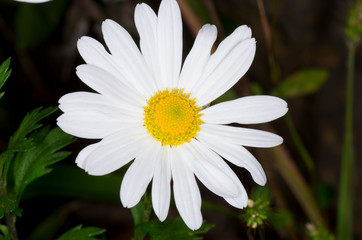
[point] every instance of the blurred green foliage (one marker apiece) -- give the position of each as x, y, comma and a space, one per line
34, 23
301, 83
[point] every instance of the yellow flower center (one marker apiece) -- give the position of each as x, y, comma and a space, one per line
172, 117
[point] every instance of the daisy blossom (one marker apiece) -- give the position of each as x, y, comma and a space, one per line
150, 110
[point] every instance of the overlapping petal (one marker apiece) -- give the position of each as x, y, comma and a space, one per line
239, 200
115, 150
139, 174
197, 59
235, 154
211, 175
128, 58
226, 66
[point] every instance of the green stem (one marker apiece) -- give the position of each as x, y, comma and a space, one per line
346, 189
141, 214
10, 222
299, 144
297, 184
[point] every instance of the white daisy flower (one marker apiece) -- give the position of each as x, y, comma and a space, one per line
150, 110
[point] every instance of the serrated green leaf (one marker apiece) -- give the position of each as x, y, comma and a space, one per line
34, 163
79, 233
301, 83
34, 23
29, 124
4, 74
175, 230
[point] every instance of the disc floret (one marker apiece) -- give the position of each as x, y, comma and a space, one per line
172, 118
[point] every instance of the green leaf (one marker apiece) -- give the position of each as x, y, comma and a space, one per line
175, 230
4, 74
79, 233
29, 124
8, 203
138, 213
301, 83
34, 23
34, 163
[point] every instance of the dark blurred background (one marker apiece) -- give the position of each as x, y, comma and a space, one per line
41, 41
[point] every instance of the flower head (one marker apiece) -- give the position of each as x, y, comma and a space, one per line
149, 110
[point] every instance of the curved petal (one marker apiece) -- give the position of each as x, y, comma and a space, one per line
246, 110
242, 136
220, 60
128, 57
88, 101
115, 151
139, 175
198, 57
108, 85
161, 192
94, 125
84, 153
169, 39
240, 200
228, 71
237, 155
211, 175
186, 192
146, 23
94, 53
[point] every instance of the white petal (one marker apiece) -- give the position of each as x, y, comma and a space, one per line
115, 151
198, 57
186, 192
128, 57
225, 47
161, 192
242, 136
82, 156
246, 110
169, 39
95, 54
93, 125
146, 23
108, 85
212, 176
139, 175
228, 70
237, 155
88, 101
239, 201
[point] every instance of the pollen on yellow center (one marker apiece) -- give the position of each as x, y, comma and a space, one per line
172, 118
